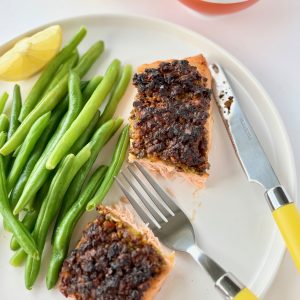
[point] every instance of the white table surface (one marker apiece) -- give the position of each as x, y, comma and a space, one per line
265, 37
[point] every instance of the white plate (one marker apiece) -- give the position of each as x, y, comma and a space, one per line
232, 220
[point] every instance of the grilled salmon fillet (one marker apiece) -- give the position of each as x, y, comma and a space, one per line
170, 123
116, 259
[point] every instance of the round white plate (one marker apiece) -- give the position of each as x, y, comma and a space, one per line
232, 220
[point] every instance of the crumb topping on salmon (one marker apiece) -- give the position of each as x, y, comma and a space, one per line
112, 261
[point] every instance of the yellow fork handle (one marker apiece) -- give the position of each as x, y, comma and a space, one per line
287, 218
231, 288
245, 294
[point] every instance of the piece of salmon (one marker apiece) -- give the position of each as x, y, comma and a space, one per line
170, 124
117, 258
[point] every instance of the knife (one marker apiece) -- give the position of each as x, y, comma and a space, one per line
255, 163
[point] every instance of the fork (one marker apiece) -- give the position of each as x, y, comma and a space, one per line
174, 229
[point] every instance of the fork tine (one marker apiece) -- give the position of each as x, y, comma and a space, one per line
139, 210
161, 206
166, 199
159, 217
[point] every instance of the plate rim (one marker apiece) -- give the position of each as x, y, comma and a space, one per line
268, 101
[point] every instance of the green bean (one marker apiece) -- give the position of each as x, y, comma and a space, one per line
40, 174
16, 152
27, 148
62, 107
116, 95
28, 222
55, 118
3, 100
41, 84
88, 58
31, 216
85, 116
23, 236
86, 136
13, 122
3, 137
15, 111
4, 122
99, 139
52, 98
18, 258
14, 245
113, 170
64, 232
89, 90
75, 91
63, 70
18, 189
51, 206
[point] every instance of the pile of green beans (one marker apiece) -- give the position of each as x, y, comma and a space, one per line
98, 141
48, 148
85, 116
21, 233
50, 207
51, 99
56, 117
40, 174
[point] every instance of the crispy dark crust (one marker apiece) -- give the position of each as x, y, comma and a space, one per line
170, 115
112, 261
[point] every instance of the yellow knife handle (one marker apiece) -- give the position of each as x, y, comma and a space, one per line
245, 294
287, 217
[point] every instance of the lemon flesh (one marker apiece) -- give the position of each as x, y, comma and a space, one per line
31, 54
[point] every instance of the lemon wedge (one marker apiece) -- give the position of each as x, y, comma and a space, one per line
31, 54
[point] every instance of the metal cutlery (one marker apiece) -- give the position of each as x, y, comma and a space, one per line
173, 228
255, 162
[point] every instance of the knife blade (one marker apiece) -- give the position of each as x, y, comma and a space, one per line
255, 163
243, 137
